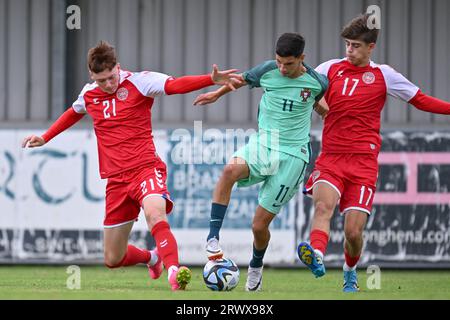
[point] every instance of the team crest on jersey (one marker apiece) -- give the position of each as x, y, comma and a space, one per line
368, 78
122, 93
315, 175
305, 94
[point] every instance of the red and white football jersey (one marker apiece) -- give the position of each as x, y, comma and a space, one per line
356, 96
122, 121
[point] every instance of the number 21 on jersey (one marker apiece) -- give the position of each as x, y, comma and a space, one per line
106, 108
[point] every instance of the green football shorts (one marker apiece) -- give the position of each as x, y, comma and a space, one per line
281, 174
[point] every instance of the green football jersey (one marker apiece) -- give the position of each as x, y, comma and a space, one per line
284, 114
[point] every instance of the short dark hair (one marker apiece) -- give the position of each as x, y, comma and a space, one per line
357, 29
102, 57
290, 44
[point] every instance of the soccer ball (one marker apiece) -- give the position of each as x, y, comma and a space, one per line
221, 275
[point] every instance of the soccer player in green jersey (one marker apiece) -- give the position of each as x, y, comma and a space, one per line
278, 153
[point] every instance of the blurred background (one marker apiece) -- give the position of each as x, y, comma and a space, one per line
44, 62
51, 214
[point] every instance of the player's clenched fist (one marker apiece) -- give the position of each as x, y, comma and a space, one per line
33, 141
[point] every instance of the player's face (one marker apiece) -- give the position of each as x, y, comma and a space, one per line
290, 66
107, 80
358, 52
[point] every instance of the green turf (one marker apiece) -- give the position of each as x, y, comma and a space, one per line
98, 282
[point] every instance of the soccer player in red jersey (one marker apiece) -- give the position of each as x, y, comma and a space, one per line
119, 103
346, 171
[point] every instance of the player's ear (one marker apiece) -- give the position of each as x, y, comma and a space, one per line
301, 58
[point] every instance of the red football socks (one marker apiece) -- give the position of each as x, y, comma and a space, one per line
319, 240
133, 256
166, 244
350, 261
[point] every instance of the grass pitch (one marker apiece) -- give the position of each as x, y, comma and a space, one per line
100, 283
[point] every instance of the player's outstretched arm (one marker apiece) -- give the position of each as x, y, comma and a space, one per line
65, 121
213, 96
400, 87
186, 84
430, 104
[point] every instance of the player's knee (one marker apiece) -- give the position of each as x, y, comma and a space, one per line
230, 173
353, 235
112, 260
322, 210
259, 228
155, 217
